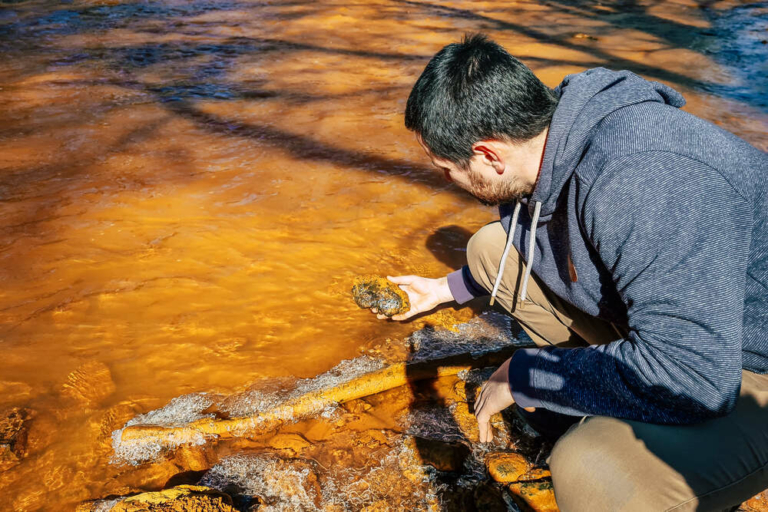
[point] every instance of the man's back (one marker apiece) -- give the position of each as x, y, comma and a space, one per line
662, 132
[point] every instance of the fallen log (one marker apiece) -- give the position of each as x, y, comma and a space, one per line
313, 402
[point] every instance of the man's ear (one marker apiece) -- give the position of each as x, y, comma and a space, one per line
489, 151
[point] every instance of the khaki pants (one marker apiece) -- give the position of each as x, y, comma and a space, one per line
607, 464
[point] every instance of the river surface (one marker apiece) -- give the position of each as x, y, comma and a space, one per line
189, 187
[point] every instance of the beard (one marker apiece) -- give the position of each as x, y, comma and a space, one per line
497, 192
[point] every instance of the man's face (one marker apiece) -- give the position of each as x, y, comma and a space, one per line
482, 178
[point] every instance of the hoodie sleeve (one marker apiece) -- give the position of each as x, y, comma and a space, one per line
463, 286
675, 236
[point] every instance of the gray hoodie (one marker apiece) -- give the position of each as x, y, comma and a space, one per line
664, 217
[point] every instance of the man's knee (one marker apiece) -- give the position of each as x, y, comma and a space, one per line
484, 252
589, 472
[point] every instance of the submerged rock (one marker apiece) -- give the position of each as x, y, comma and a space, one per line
13, 436
90, 384
184, 498
380, 293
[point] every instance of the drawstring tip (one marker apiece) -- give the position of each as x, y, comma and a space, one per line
493, 299
521, 304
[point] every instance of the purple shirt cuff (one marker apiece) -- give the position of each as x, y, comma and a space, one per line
463, 286
520, 378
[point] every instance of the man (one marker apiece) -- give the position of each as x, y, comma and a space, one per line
633, 249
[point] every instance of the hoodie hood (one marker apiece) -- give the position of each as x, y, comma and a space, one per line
585, 100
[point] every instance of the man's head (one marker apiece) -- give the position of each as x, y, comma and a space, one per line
482, 117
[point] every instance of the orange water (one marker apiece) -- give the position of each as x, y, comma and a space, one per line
189, 187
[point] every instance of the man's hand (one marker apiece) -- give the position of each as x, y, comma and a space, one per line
424, 294
494, 397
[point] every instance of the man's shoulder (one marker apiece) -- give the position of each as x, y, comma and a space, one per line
647, 134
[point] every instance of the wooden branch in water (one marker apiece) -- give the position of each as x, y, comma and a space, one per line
313, 402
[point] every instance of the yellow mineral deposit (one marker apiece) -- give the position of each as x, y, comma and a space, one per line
393, 376
184, 498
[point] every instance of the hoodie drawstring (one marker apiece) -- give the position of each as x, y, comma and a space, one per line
504, 255
508, 246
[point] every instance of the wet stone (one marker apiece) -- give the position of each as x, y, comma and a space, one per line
13, 436
757, 503
534, 496
506, 467
184, 498
535, 474
378, 292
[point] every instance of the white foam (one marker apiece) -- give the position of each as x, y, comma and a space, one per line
485, 333
278, 484
180, 411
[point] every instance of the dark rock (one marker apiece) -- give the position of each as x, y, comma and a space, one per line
440, 455
13, 436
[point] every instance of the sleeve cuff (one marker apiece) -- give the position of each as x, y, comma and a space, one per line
463, 286
520, 378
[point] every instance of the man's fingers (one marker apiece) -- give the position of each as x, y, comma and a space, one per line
484, 427
405, 316
480, 395
479, 404
381, 317
402, 279
482, 398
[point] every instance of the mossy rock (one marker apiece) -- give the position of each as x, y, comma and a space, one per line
378, 292
534, 496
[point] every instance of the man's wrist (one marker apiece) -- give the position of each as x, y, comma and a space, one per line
444, 291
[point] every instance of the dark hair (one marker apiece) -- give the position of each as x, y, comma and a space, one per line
475, 90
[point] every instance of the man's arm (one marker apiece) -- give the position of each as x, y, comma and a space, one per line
675, 236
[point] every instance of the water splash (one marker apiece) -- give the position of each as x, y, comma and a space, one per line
278, 485
180, 411
488, 332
